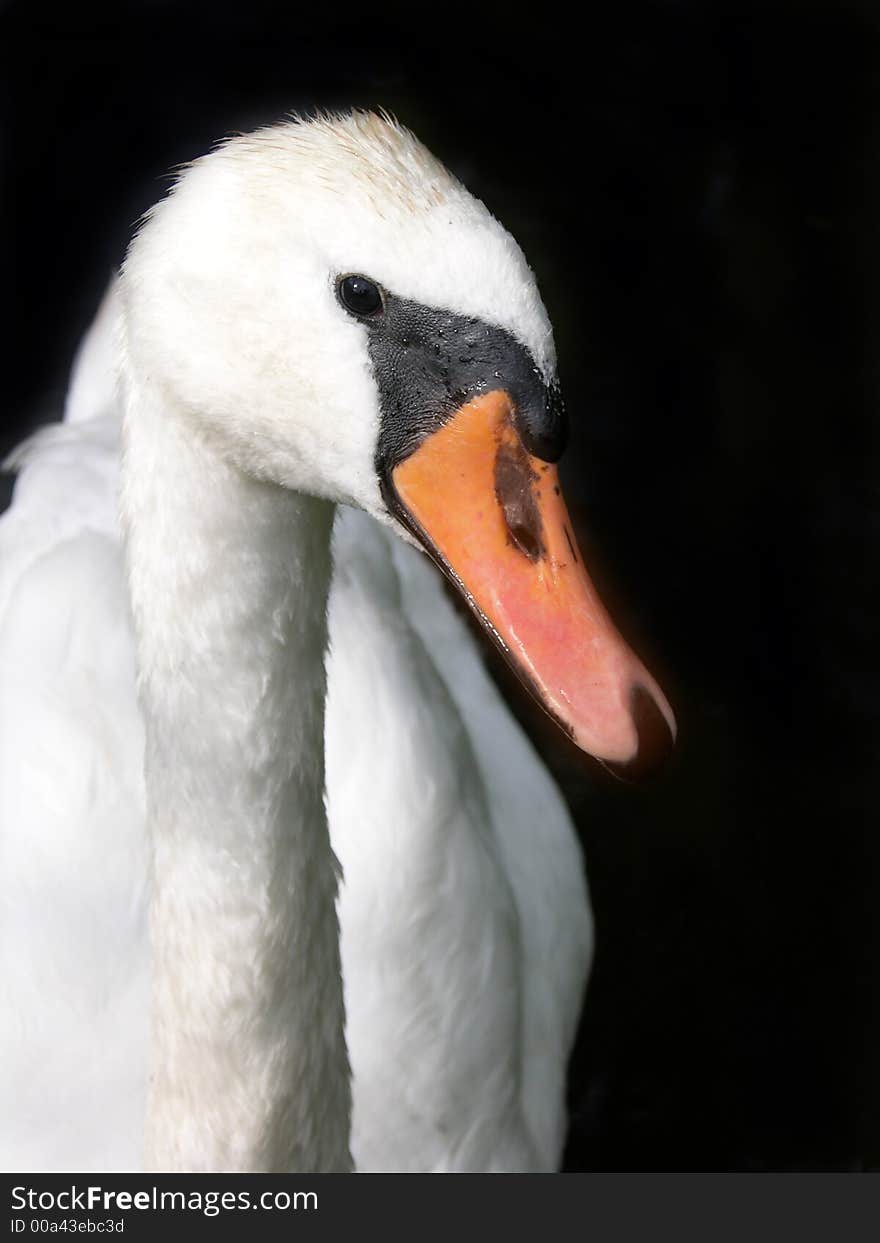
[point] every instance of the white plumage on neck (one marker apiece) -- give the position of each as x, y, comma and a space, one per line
229, 579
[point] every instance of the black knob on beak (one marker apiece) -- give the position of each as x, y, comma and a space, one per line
541, 421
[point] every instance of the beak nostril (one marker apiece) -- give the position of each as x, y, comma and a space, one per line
514, 488
655, 739
525, 540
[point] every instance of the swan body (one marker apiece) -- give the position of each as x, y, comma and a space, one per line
74, 965
465, 925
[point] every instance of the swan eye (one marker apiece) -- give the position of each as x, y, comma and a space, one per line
360, 295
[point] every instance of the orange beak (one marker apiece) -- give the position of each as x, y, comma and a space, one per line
494, 518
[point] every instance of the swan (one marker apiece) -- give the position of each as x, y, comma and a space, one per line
290, 338
387, 610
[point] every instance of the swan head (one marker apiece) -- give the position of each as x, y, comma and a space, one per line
332, 309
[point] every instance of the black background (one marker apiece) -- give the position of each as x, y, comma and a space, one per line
698, 189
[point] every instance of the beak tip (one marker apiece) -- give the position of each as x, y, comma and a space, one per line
656, 739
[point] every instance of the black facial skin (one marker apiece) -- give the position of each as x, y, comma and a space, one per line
428, 362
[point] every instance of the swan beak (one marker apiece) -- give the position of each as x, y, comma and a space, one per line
494, 518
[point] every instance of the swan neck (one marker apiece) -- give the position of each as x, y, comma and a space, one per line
229, 579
